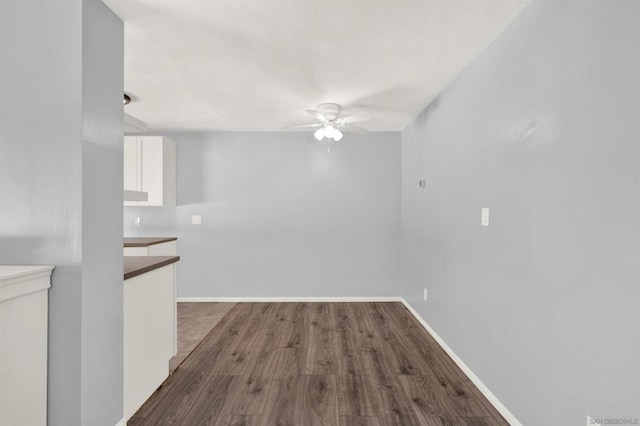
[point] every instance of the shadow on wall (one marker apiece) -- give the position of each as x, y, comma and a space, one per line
38, 247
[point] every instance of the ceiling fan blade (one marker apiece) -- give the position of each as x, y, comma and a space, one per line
357, 118
304, 126
317, 115
354, 129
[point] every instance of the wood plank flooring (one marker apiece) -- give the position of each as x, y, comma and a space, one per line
195, 321
305, 364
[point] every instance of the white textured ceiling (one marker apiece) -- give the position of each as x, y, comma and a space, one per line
258, 64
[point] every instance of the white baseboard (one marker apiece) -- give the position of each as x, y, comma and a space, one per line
289, 299
122, 422
508, 416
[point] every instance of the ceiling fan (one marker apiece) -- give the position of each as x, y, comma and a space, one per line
330, 125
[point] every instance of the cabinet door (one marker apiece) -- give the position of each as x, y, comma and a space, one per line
150, 166
169, 173
151, 169
148, 334
131, 172
131, 166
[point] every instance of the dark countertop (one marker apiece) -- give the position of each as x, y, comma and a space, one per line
137, 265
146, 241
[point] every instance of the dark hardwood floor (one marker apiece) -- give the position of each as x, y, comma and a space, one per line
304, 364
195, 321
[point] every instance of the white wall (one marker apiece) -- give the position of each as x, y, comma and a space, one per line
60, 190
543, 129
281, 216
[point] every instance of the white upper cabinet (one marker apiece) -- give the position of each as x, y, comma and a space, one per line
150, 166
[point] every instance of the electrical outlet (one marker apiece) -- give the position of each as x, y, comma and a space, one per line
196, 220
425, 295
136, 221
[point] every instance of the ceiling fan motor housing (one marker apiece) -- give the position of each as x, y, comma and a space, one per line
331, 111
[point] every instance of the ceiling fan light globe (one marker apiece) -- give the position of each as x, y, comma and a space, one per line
329, 130
319, 134
337, 135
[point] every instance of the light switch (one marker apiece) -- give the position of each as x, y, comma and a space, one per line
136, 221
484, 219
196, 220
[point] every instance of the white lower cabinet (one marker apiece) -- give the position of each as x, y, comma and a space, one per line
149, 334
23, 344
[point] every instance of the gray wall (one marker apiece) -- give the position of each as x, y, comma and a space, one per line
45, 210
41, 172
281, 216
102, 118
543, 129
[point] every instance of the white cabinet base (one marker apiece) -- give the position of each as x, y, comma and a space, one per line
23, 344
149, 334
